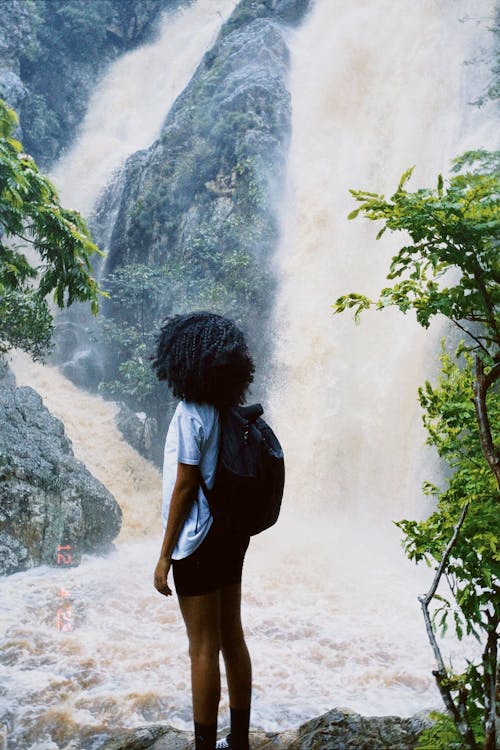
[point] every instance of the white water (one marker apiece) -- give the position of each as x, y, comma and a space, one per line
376, 87
330, 604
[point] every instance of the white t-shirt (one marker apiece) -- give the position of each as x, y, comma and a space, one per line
192, 438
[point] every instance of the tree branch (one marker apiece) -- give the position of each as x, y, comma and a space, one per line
457, 712
474, 338
481, 384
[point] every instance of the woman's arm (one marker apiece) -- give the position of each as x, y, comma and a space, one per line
184, 494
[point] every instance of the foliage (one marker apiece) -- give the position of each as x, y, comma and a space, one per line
30, 211
442, 735
450, 267
452, 228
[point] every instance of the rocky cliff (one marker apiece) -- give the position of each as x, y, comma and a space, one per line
48, 499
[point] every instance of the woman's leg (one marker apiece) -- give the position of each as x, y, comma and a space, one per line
201, 616
238, 665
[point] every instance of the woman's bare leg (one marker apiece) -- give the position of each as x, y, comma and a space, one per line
238, 665
201, 616
234, 648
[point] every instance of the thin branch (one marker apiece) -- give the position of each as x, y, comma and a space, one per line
474, 338
457, 712
490, 311
425, 600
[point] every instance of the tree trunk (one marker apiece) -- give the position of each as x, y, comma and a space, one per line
481, 384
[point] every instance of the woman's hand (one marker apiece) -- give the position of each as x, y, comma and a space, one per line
161, 575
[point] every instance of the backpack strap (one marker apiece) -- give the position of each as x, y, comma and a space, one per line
249, 414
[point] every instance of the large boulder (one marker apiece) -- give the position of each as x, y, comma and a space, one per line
51, 508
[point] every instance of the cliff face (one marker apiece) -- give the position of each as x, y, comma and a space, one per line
53, 51
47, 498
201, 202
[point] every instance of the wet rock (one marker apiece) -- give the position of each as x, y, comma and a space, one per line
136, 739
12, 89
138, 429
17, 37
339, 729
52, 510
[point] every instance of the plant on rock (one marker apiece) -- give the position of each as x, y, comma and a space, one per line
451, 267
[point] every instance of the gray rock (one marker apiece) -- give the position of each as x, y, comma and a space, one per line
48, 499
12, 89
138, 429
7, 377
17, 34
339, 729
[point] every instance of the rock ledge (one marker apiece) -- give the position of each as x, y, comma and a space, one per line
339, 729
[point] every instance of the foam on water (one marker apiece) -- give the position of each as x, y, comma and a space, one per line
318, 636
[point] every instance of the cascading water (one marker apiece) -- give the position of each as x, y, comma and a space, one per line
375, 89
330, 605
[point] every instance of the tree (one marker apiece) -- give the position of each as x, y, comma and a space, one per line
33, 221
451, 267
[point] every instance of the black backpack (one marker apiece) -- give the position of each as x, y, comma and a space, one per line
250, 473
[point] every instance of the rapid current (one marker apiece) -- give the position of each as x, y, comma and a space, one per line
330, 603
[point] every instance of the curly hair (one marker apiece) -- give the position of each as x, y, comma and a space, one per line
204, 358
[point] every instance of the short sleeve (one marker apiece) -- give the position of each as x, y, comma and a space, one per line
189, 439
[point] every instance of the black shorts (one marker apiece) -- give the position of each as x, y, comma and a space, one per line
217, 562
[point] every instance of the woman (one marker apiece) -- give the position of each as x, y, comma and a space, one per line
205, 361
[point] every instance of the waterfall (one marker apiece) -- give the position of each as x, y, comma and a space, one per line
376, 87
329, 605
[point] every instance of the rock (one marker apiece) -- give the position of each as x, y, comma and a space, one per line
12, 89
142, 737
7, 377
17, 38
287, 11
339, 729
138, 429
52, 510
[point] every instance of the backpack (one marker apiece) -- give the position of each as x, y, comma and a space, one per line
250, 472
